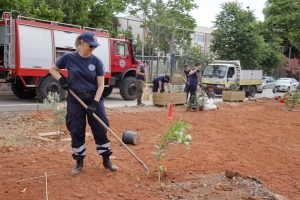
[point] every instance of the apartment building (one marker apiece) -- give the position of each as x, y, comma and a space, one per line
201, 37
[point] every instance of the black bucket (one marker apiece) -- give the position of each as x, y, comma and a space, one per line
130, 137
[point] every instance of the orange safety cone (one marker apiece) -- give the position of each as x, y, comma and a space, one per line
170, 107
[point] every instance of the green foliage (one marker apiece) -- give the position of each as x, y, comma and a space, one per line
292, 99
176, 134
234, 87
19, 5
282, 17
44, 10
194, 55
127, 34
238, 37
92, 13
167, 23
59, 113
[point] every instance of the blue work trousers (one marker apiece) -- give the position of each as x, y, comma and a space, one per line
76, 124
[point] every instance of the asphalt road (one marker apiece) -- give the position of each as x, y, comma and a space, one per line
10, 103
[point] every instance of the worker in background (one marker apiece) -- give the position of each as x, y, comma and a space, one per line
158, 83
186, 70
86, 79
193, 80
140, 81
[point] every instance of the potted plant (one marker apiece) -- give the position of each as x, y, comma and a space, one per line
234, 93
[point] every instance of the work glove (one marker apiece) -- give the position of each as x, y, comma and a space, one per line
92, 107
63, 83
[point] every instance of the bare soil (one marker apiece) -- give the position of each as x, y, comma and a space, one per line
248, 150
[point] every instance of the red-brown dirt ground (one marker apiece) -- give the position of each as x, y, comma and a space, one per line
257, 139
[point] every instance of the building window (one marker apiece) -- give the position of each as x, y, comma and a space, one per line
200, 38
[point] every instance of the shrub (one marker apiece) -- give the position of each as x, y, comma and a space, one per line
59, 112
234, 87
292, 99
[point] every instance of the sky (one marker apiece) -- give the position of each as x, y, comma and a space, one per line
208, 9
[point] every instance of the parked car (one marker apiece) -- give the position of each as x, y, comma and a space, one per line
286, 84
268, 83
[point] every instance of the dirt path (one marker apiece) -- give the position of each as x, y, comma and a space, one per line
256, 139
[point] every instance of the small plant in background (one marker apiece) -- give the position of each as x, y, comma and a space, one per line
292, 99
176, 134
234, 87
59, 112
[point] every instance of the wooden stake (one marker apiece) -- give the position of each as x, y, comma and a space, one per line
46, 186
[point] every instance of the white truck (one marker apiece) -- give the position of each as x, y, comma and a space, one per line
220, 74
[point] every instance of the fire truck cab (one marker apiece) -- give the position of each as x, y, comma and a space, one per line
29, 47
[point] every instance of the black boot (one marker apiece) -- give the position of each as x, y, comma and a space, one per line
107, 164
78, 167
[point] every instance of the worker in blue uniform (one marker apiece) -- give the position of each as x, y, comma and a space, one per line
140, 79
193, 80
86, 79
186, 71
158, 83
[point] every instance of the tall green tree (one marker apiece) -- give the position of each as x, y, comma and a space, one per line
236, 36
271, 53
283, 17
195, 55
102, 14
168, 23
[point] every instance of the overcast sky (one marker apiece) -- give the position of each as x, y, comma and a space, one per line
208, 9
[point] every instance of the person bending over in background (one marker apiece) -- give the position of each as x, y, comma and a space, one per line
158, 83
86, 79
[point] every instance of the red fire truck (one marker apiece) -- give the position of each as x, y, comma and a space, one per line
29, 47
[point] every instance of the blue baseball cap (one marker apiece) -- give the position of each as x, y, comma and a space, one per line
90, 38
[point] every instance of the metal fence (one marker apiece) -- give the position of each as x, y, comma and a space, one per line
163, 65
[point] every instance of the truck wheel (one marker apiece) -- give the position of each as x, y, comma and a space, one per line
49, 84
22, 92
252, 91
107, 91
128, 89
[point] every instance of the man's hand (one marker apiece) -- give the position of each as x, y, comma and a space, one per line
63, 83
92, 107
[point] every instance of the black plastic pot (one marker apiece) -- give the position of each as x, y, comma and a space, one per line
131, 137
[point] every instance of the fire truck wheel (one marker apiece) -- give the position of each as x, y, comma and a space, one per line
128, 89
49, 84
22, 92
107, 91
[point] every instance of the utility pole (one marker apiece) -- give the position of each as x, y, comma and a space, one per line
173, 57
143, 40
